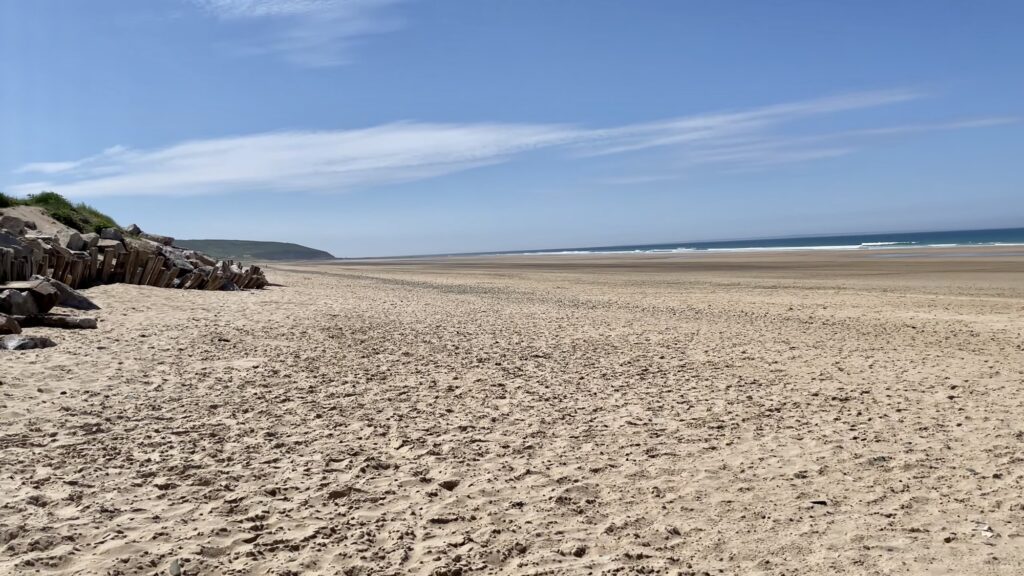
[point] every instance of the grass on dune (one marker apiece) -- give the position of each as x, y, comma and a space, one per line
81, 216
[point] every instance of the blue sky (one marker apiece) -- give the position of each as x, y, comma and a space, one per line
378, 127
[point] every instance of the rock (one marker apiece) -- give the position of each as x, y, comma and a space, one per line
21, 342
91, 240
149, 247
202, 259
176, 257
15, 243
229, 286
111, 234
449, 484
13, 224
37, 246
9, 325
574, 549
133, 230
41, 236
57, 249
159, 239
175, 569
72, 241
57, 321
46, 296
184, 266
104, 244
17, 303
68, 296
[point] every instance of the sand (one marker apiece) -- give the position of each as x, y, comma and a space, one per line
797, 413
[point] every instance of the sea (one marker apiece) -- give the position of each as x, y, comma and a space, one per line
882, 241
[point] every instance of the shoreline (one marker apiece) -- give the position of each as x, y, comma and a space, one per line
1008, 249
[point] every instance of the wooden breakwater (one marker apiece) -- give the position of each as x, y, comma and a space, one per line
141, 268
14, 267
84, 269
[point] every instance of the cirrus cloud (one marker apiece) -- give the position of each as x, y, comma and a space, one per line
343, 160
308, 33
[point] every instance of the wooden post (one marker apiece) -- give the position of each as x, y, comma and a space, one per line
159, 275
108, 264
136, 275
171, 275
123, 272
151, 269
58, 264
94, 264
77, 266
146, 266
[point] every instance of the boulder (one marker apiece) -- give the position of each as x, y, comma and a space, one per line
17, 303
41, 236
13, 224
72, 241
91, 240
46, 296
111, 234
104, 243
159, 239
36, 246
141, 244
199, 257
57, 249
9, 325
184, 266
40, 290
15, 243
68, 296
176, 256
21, 342
134, 230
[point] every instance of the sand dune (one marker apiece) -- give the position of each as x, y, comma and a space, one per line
769, 414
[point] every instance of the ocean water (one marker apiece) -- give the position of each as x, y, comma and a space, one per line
949, 239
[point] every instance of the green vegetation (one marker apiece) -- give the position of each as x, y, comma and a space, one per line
251, 250
81, 216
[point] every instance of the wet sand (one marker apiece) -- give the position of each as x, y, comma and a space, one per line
770, 413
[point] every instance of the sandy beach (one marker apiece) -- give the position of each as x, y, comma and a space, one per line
780, 413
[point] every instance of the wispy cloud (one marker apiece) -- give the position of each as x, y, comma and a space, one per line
309, 33
340, 160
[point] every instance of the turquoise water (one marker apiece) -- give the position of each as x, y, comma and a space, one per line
954, 238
